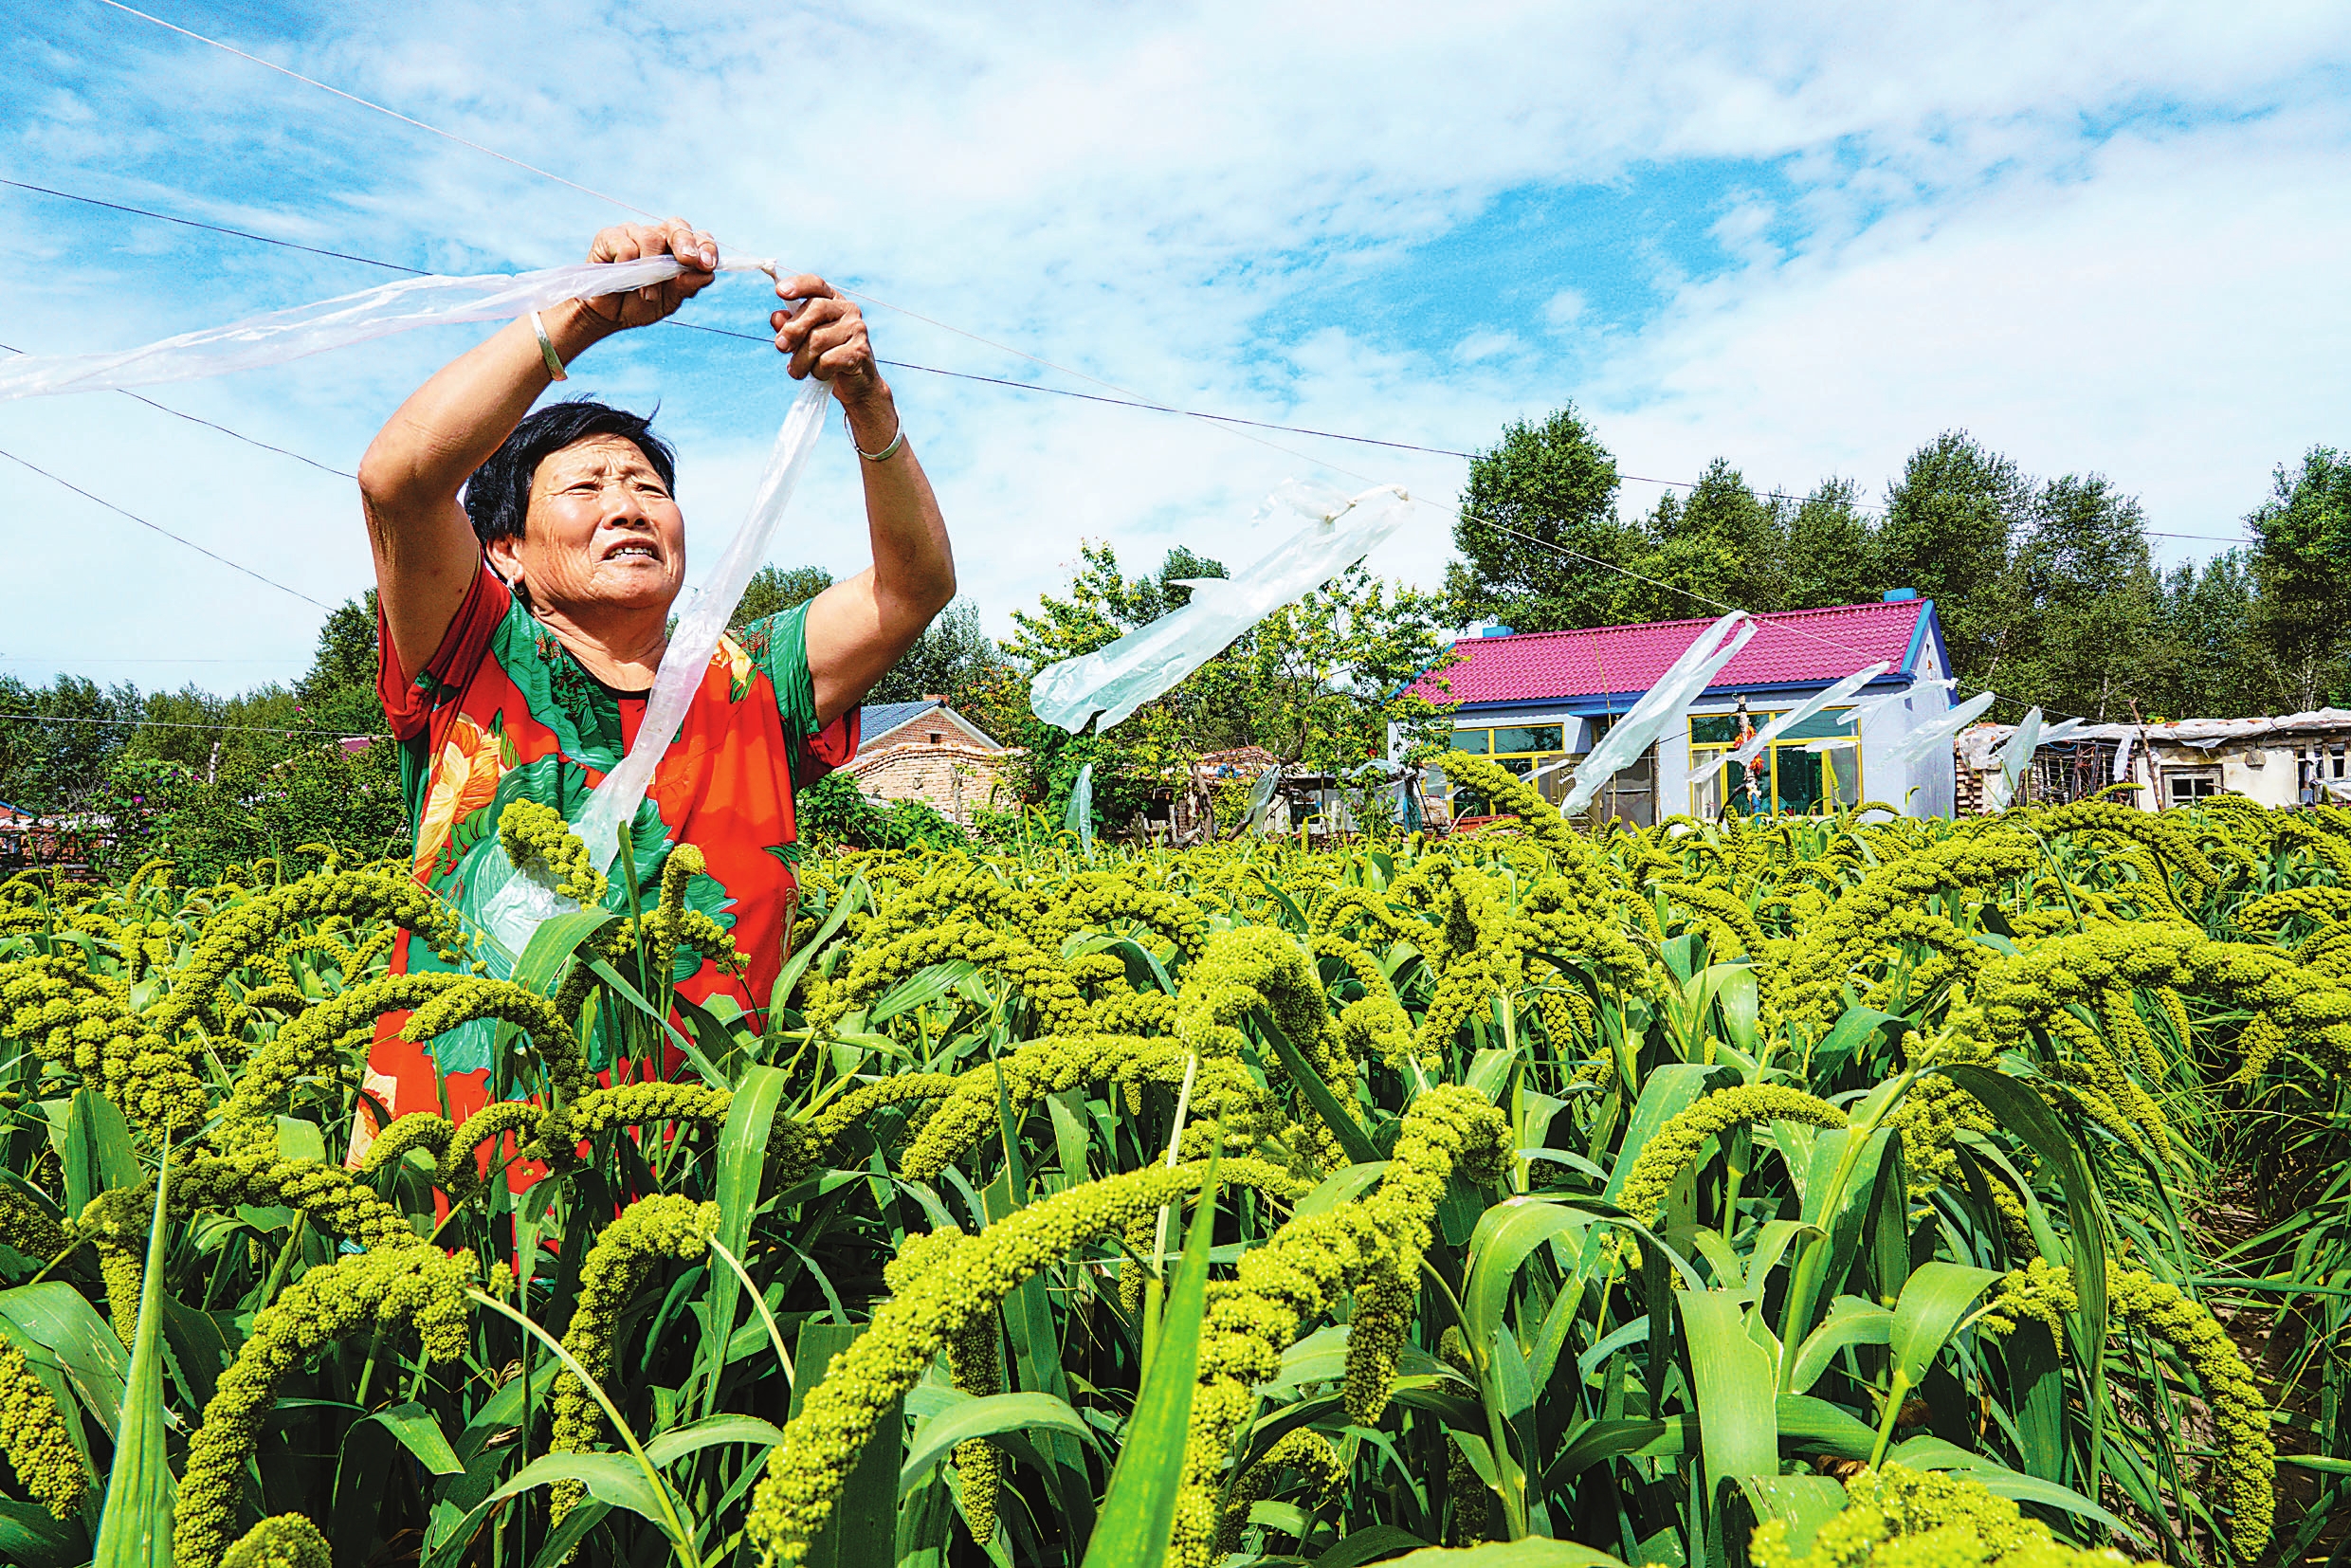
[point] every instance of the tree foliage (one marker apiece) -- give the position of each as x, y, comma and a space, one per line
2047, 589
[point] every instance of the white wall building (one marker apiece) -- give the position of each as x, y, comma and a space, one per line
1537, 701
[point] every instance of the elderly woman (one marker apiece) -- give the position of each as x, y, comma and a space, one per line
526, 564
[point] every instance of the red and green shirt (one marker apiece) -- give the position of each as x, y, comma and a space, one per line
504, 712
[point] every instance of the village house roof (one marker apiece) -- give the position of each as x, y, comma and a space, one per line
1794, 647
876, 720
1976, 744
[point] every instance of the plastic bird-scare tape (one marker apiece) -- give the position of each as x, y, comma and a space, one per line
1660, 708
1111, 683
337, 323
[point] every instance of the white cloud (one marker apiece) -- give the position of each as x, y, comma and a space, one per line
1949, 238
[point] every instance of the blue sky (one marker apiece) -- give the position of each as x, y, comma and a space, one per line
2103, 237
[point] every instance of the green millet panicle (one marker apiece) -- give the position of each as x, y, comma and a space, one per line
418, 1285
806, 1471
1320, 1476
1899, 1518
649, 1230
286, 1541
975, 1366
33, 1435
535, 838
1676, 1144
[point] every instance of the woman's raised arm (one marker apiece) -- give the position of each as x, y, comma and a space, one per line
426, 553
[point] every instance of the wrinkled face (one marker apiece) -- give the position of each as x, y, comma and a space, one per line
601, 532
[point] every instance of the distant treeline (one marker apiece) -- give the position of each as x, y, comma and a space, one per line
2047, 589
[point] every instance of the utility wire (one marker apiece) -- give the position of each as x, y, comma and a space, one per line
1121, 402
192, 223
174, 724
234, 435
1233, 426
181, 538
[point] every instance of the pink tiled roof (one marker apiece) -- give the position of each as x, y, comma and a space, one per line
1791, 646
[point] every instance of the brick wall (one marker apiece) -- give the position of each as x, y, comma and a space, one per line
954, 779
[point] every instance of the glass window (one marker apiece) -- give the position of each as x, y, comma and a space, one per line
1828, 724
1473, 741
1527, 738
1786, 779
1717, 729
2194, 786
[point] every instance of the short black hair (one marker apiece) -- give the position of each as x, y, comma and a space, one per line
498, 494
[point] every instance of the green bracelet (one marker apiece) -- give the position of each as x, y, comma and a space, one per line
547, 350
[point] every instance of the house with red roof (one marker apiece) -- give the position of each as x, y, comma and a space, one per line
1538, 702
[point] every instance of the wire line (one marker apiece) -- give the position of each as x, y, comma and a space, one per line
369, 103
1127, 401
240, 233
174, 724
165, 532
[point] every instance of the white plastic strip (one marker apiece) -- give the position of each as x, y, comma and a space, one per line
337, 323
1790, 720
1660, 708
1860, 714
513, 909
1111, 683
1926, 737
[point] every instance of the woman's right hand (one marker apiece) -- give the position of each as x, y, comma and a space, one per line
629, 242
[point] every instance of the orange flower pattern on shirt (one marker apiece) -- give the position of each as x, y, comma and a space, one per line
463, 778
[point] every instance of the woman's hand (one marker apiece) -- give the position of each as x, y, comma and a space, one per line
826, 337
629, 242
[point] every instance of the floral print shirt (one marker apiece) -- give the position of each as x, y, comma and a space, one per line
502, 712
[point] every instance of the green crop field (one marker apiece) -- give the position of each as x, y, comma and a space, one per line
1838, 1190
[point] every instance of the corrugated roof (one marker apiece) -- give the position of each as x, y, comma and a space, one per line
876, 720
1792, 647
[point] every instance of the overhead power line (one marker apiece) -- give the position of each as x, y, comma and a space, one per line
174, 724
158, 528
1141, 403
192, 223
233, 435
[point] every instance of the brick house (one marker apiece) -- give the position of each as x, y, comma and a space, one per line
926, 751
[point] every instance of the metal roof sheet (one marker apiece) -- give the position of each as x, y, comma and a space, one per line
1789, 647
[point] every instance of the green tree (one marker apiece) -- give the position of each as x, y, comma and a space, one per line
1316, 682
773, 589
1539, 530
1720, 545
2204, 660
953, 658
1951, 523
58, 741
338, 692
2302, 560
1831, 553
2087, 591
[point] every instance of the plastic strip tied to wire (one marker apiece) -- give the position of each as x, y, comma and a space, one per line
1916, 743
338, 322
1790, 720
1113, 682
2015, 755
1661, 707
513, 909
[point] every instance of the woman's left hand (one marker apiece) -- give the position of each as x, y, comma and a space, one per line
826, 337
